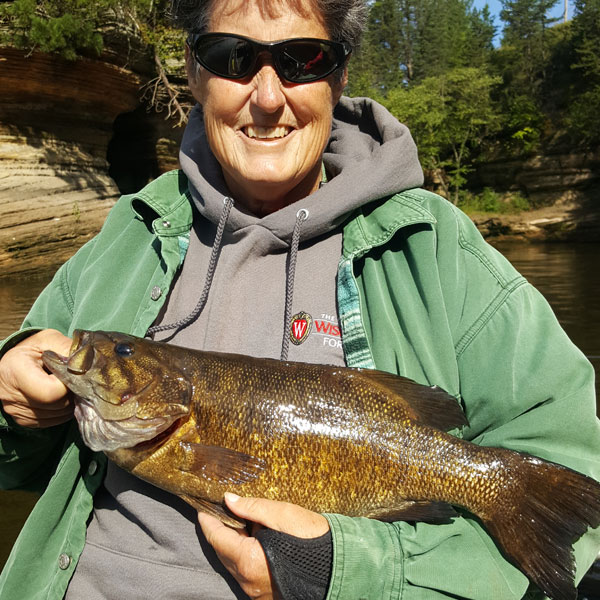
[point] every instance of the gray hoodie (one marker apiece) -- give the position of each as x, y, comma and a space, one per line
149, 537
370, 156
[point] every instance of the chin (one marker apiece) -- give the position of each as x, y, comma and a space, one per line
275, 177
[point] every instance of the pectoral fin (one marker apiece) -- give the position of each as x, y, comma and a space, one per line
216, 510
219, 464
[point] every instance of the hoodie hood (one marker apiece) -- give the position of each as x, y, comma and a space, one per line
370, 155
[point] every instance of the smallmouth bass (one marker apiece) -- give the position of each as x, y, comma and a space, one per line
332, 439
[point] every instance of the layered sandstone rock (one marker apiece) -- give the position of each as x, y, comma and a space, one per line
56, 120
543, 178
74, 135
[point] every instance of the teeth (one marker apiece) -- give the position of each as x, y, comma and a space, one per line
266, 133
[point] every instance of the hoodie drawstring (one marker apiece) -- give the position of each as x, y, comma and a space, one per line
301, 216
212, 263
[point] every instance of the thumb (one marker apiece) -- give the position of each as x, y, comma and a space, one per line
252, 509
281, 516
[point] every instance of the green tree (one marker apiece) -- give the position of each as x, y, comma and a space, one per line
559, 76
524, 62
481, 38
407, 41
386, 58
452, 35
449, 116
584, 112
67, 27
382, 54
72, 28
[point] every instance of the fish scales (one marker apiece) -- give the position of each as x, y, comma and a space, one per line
275, 415
331, 439
277, 408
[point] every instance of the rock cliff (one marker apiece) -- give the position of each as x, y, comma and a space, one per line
562, 186
69, 132
543, 178
74, 135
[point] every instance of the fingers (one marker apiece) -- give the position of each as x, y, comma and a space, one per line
225, 540
281, 516
241, 555
48, 339
29, 394
26, 374
38, 417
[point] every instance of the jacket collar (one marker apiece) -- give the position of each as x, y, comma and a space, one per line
165, 204
376, 223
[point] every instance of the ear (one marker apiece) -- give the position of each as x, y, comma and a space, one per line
194, 78
344, 78
339, 85
190, 65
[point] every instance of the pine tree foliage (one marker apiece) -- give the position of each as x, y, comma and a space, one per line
67, 27
584, 112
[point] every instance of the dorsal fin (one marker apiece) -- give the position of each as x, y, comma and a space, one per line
428, 405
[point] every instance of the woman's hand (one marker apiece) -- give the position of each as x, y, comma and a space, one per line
29, 394
242, 554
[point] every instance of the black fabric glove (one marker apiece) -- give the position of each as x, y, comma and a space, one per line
300, 568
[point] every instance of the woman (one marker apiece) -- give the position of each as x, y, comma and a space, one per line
297, 215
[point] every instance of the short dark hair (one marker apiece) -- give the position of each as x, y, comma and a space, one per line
344, 20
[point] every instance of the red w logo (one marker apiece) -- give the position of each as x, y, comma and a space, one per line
300, 327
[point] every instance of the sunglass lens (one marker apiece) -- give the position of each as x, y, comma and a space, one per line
224, 56
308, 60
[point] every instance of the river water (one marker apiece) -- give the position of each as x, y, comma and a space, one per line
567, 275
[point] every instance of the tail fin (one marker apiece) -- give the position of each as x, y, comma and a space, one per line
557, 508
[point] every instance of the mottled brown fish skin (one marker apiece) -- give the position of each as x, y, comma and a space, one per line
319, 452
349, 441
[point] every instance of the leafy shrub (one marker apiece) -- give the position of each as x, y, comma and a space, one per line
490, 201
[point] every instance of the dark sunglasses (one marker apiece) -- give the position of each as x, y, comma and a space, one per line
299, 60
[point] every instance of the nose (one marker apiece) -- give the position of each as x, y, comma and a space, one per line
268, 93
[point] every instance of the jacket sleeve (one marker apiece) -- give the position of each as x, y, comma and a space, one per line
29, 456
524, 386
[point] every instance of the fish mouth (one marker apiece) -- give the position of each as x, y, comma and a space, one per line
84, 360
55, 363
80, 360
105, 425
69, 369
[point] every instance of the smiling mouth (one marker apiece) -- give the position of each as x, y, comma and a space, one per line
267, 133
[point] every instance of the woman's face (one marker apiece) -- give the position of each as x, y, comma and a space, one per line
267, 134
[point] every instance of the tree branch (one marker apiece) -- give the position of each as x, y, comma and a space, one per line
173, 106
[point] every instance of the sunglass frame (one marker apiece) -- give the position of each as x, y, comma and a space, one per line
341, 49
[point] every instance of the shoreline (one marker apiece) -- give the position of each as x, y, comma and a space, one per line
559, 223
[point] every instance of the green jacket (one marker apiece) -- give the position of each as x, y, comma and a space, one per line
420, 294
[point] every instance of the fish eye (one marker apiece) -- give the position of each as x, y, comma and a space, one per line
124, 349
